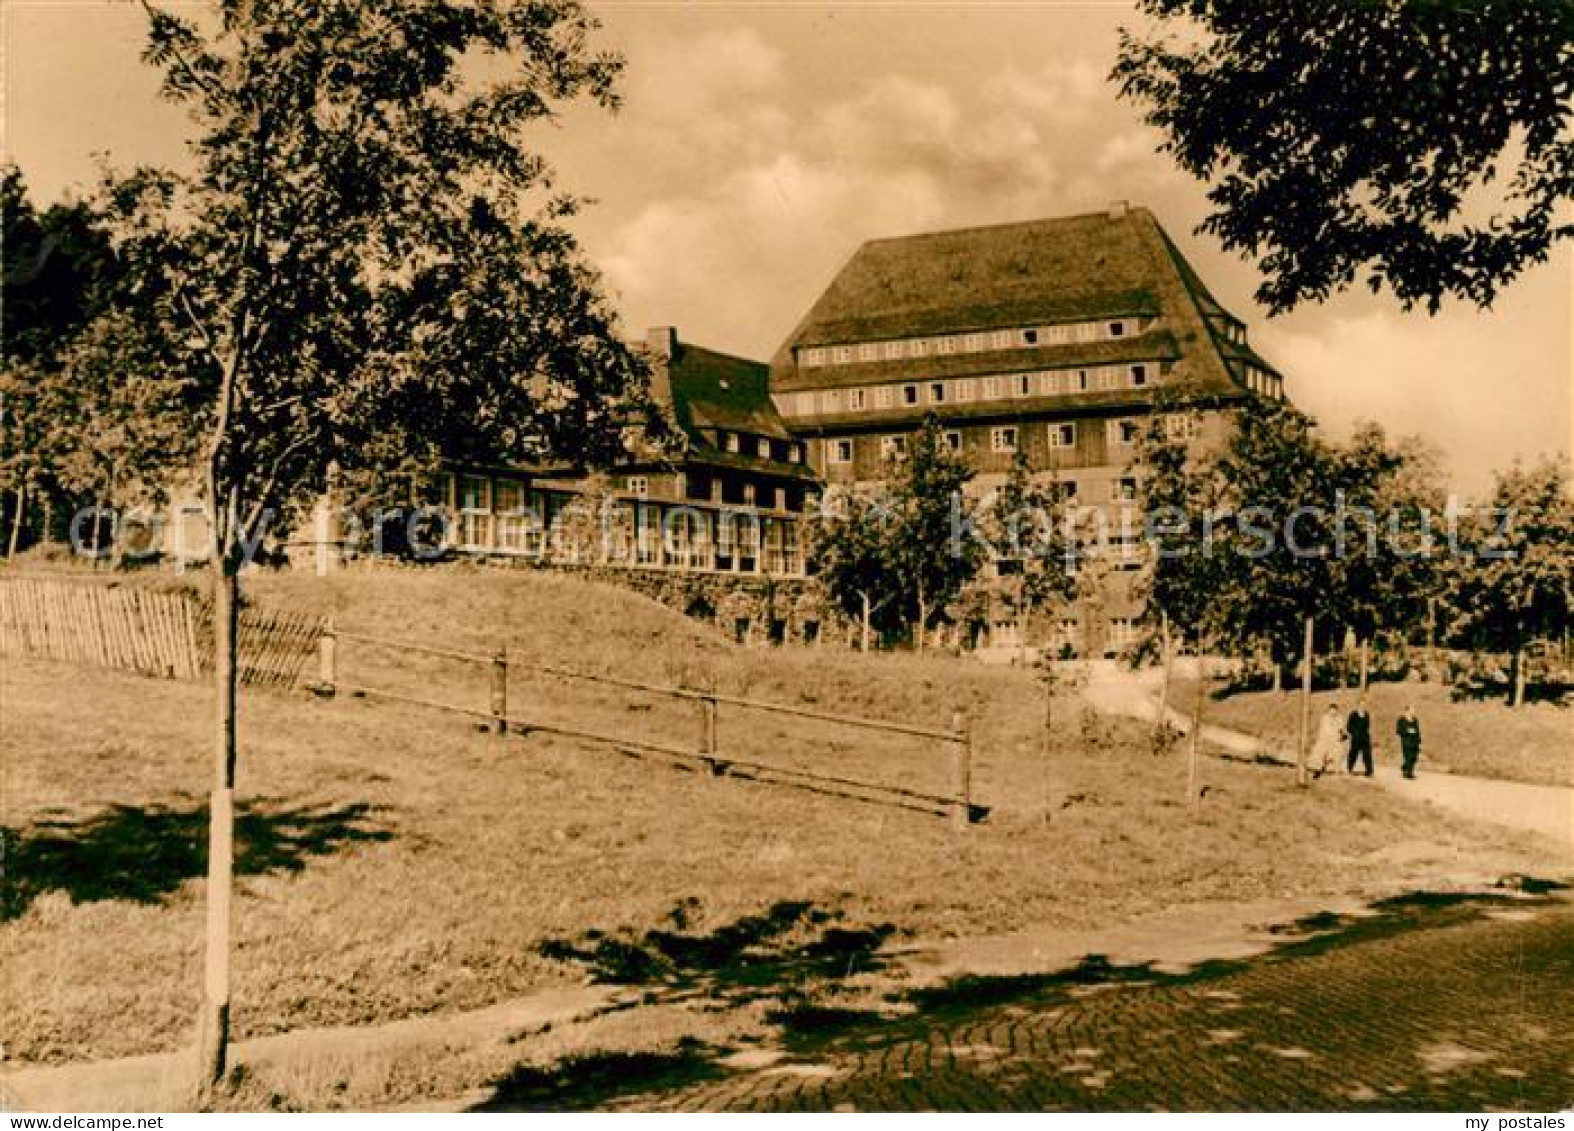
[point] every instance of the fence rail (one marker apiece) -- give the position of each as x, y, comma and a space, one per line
167, 635
958, 738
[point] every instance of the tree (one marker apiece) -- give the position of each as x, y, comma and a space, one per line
1514, 578
364, 266
59, 272
929, 551
849, 553
1419, 145
1026, 524
1178, 583
896, 554
1388, 495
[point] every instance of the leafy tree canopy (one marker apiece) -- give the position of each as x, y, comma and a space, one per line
1423, 146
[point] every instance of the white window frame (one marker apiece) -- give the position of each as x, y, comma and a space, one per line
1115, 431
1063, 435
947, 345
962, 389
973, 343
1003, 439
885, 396
1139, 376
937, 392
953, 440
894, 350
855, 400
911, 395
841, 354
1022, 384
991, 388
893, 447
1002, 339
1029, 336
1116, 328
869, 351
831, 400
834, 450
1108, 378
638, 486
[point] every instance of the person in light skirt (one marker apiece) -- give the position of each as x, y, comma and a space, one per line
1329, 746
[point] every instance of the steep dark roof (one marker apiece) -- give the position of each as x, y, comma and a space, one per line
1076, 268
711, 390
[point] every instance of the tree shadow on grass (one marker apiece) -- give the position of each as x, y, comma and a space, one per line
141, 854
589, 1080
754, 958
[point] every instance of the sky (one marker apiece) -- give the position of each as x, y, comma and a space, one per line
759, 144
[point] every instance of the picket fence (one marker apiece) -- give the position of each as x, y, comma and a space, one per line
168, 635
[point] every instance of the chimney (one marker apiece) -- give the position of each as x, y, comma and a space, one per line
1118, 208
662, 341
661, 344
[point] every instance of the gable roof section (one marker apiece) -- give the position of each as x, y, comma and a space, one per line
711, 390
1076, 268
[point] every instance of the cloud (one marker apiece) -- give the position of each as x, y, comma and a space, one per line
1477, 386
772, 201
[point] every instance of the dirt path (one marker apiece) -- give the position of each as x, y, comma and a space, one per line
1547, 810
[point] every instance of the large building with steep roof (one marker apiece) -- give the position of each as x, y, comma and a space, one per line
1050, 338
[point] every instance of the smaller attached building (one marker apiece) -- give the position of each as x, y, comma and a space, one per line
727, 496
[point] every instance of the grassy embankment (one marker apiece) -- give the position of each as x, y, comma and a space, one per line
1483, 737
395, 861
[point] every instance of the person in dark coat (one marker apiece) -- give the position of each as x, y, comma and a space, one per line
1359, 729
1409, 730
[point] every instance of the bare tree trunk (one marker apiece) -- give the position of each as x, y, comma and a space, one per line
1516, 683
1366, 646
1278, 673
213, 1032
923, 621
1192, 793
17, 520
1049, 737
98, 518
1160, 721
49, 519
864, 647
1306, 703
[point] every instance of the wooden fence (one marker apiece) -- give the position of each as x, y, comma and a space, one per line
168, 635
958, 739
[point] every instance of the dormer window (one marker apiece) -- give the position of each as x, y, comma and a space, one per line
1117, 329
1139, 375
732, 441
762, 448
1030, 337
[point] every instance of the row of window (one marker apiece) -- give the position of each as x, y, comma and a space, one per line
961, 390
782, 451
1259, 380
900, 349
1005, 438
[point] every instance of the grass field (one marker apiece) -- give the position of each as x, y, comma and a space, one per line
397, 862
1529, 743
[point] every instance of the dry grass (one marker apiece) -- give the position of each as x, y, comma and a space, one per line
397, 862
1529, 743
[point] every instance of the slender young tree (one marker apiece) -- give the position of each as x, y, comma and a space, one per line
365, 263
929, 549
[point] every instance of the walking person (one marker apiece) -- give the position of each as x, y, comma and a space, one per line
1330, 741
1358, 728
1409, 730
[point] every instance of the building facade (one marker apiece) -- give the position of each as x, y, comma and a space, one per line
727, 495
1051, 339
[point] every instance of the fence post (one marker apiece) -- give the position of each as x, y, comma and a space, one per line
962, 752
709, 703
500, 689
327, 659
